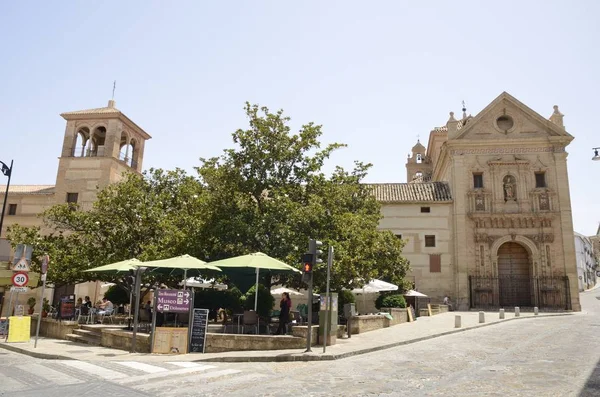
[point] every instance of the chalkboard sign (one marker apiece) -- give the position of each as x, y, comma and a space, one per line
199, 329
67, 306
3, 327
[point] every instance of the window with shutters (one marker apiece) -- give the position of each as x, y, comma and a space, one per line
435, 263
429, 241
12, 209
72, 198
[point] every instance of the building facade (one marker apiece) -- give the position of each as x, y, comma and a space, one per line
586, 262
99, 145
485, 214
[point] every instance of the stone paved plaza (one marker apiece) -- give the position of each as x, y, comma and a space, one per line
549, 356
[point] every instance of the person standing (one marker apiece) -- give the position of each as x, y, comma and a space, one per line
284, 313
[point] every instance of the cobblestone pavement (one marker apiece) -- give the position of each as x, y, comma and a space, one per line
551, 356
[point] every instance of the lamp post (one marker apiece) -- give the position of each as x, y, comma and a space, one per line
7, 171
596, 155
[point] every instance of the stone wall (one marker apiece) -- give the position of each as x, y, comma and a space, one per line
122, 340
216, 343
51, 328
399, 315
361, 324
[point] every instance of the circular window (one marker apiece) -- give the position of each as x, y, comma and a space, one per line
505, 122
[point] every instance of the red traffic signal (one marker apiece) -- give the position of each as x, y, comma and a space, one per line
307, 268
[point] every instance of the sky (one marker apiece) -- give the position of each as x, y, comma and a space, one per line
375, 75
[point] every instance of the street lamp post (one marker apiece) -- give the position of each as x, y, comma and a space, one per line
596, 156
7, 171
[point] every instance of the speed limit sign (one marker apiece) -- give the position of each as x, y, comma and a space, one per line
20, 279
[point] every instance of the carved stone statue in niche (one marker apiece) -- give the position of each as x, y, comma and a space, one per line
510, 188
479, 203
544, 202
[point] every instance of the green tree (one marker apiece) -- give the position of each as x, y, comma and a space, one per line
270, 194
150, 216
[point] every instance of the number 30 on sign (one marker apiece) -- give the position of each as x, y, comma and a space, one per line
20, 279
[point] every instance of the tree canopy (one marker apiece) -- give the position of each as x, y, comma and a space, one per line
269, 193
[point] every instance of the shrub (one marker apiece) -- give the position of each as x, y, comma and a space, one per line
213, 299
265, 300
117, 295
345, 296
390, 300
31, 302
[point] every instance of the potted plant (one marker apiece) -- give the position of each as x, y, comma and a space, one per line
45, 307
31, 302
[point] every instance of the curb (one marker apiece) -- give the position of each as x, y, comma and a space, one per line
331, 357
299, 357
45, 356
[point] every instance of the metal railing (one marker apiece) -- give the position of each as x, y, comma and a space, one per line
551, 293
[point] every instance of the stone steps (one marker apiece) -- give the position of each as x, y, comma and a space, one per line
88, 334
89, 339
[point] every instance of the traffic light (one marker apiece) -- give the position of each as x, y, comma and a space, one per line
314, 248
307, 267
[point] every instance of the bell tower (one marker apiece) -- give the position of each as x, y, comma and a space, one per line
418, 166
99, 146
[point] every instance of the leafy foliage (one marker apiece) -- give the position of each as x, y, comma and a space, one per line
345, 296
265, 302
390, 300
117, 295
268, 194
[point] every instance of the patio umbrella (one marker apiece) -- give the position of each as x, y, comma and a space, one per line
183, 262
281, 290
412, 292
416, 294
257, 261
374, 286
195, 282
123, 266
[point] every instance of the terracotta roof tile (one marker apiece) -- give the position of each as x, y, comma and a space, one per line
412, 192
105, 110
28, 189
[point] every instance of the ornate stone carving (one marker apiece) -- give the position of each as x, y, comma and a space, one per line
479, 203
558, 149
481, 237
541, 237
510, 188
544, 202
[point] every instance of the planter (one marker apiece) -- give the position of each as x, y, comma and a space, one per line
31, 310
44, 314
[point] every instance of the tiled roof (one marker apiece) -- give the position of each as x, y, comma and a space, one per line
105, 110
412, 192
421, 179
28, 189
445, 129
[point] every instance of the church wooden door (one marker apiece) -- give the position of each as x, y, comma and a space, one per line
514, 276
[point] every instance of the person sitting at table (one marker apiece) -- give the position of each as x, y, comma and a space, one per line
87, 302
106, 307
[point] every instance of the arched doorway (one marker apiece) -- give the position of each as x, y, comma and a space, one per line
514, 275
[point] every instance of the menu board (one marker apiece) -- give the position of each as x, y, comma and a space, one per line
67, 306
199, 329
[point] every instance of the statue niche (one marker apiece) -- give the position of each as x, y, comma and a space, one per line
510, 188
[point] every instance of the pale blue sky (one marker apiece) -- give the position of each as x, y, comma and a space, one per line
374, 74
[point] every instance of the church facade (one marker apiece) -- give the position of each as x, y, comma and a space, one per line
485, 214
